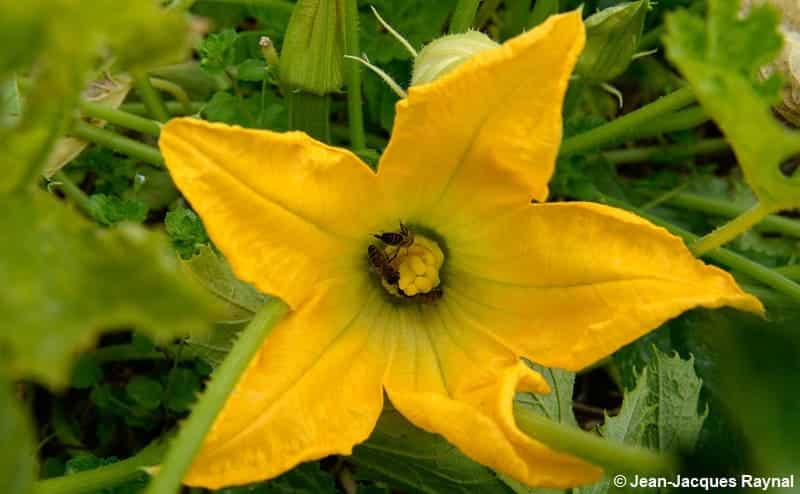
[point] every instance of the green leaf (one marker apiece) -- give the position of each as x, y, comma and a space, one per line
241, 300
307, 478
416, 461
557, 405
660, 413
721, 58
109, 210
186, 231
86, 373
71, 281
145, 392
87, 462
419, 21
217, 51
18, 463
183, 388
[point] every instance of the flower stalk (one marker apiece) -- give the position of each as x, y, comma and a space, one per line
732, 229
612, 456
150, 97
627, 124
187, 442
121, 118
355, 112
116, 142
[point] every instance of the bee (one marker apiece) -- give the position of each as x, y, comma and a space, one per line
427, 298
382, 265
403, 238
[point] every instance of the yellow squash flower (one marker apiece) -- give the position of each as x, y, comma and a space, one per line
483, 278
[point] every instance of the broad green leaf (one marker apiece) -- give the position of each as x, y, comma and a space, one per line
721, 58
307, 478
416, 461
10, 105
70, 281
239, 300
18, 459
146, 392
557, 405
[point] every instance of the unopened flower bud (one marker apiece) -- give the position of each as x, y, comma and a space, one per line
788, 63
448, 52
612, 37
313, 53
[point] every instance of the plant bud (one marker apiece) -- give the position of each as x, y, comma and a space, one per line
788, 63
612, 36
448, 52
313, 49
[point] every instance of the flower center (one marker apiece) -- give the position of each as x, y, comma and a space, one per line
408, 265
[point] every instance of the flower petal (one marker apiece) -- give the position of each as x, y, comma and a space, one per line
493, 124
566, 284
283, 208
313, 390
450, 378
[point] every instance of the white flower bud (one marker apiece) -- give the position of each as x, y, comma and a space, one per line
448, 52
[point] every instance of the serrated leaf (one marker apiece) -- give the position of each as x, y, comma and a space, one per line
71, 281
419, 462
17, 463
109, 210
721, 59
557, 405
186, 231
660, 412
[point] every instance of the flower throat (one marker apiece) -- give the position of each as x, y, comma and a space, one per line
408, 264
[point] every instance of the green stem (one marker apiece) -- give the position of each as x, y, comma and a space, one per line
175, 90
732, 229
355, 112
73, 192
103, 477
792, 272
612, 456
150, 97
627, 124
721, 255
173, 107
718, 207
192, 432
118, 143
650, 153
121, 118
311, 114
463, 15
682, 120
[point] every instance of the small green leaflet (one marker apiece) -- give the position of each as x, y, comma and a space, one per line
660, 413
418, 462
721, 59
62, 272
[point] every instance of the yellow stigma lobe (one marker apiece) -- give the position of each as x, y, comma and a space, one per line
418, 265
